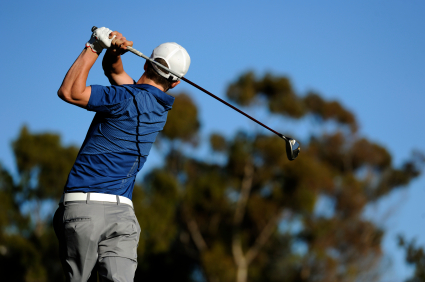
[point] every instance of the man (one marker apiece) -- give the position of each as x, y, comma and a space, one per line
95, 222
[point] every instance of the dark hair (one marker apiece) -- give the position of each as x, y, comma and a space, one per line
151, 73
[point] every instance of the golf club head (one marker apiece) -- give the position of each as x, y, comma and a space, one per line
292, 148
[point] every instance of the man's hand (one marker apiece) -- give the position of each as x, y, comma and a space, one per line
112, 64
100, 39
118, 43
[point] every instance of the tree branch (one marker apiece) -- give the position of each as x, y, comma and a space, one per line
244, 194
194, 231
237, 251
263, 238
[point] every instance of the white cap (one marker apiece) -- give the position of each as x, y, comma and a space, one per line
175, 56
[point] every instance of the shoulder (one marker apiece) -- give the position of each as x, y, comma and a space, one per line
109, 99
154, 93
109, 94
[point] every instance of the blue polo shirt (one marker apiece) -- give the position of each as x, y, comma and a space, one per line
127, 121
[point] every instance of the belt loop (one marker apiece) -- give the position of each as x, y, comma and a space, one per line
88, 198
118, 199
64, 199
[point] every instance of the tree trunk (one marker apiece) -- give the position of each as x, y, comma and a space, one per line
242, 270
238, 254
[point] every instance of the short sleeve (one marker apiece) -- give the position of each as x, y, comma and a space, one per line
108, 99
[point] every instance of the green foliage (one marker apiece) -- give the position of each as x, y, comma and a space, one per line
182, 121
21, 260
10, 215
218, 263
43, 164
282, 99
252, 216
239, 214
415, 256
329, 110
218, 142
243, 90
28, 246
157, 211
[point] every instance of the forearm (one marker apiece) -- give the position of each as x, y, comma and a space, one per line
112, 65
73, 88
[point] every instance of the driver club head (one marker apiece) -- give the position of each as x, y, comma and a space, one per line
292, 148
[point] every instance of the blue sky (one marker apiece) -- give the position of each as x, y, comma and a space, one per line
369, 55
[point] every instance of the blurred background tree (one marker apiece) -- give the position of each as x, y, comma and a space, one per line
28, 248
255, 216
415, 256
245, 213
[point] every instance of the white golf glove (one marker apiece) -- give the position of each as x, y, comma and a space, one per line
100, 40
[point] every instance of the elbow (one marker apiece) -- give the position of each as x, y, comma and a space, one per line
60, 93
75, 97
64, 95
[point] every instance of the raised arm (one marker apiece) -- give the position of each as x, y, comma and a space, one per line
112, 63
73, 89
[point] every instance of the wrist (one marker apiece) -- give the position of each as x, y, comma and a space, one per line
90, 52
89, 48
94, 46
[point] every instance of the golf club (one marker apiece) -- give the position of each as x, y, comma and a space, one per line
292, 146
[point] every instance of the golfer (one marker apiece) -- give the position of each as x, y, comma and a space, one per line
95, 222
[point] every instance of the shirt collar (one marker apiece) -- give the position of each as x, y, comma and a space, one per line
164, 97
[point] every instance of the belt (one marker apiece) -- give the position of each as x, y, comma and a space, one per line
97, 197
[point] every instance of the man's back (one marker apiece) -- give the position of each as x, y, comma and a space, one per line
120, 137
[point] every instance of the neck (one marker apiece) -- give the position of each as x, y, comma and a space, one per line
144, 80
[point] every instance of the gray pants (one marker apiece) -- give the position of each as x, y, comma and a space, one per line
97, 233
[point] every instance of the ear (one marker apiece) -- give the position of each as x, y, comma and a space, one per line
174, 84
145, 66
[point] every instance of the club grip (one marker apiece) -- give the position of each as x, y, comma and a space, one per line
93, 28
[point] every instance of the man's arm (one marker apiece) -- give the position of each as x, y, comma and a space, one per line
112, 63
73, 89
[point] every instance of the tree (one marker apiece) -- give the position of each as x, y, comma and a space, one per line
28, 245
245, 213
415, 256
255, 216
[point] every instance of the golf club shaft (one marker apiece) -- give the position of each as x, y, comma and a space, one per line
138, 53
231, 106
292, 147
